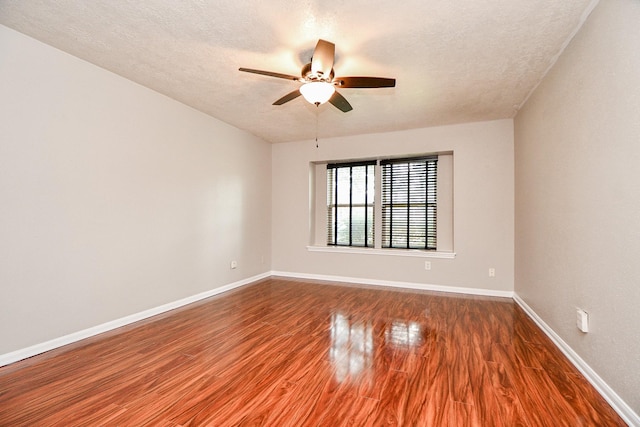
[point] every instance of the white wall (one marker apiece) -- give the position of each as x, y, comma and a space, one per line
578, 195
115, 199
483, 206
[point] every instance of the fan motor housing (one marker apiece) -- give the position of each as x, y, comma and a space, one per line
308, 75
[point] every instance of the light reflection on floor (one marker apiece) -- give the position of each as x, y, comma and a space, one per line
403, 334
352, 344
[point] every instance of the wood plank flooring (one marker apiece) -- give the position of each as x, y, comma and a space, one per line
290, 353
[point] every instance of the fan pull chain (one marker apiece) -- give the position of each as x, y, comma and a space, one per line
317, 114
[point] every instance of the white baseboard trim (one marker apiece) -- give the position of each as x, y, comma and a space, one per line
24, 353
616, 402
395, 284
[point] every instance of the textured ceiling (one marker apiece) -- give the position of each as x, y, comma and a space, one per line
454, 61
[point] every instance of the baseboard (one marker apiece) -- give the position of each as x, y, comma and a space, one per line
616, 402
395, 284
24, 353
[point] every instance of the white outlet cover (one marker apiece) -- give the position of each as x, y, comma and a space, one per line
582, 320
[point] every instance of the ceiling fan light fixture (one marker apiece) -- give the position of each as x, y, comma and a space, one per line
319, 81
317, 92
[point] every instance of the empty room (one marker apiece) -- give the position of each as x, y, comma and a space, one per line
235, 213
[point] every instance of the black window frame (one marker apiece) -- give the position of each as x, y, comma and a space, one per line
332, 206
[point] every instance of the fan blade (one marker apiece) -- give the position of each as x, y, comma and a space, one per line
340, 102
364, 82
323, 56
288, 97
270, 73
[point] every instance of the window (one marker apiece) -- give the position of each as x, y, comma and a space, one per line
409, 203
400, 206
350, 204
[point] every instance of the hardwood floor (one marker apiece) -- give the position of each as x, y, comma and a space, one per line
291, 353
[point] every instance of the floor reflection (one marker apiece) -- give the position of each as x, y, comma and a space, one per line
351, 346
403, 334
352, 343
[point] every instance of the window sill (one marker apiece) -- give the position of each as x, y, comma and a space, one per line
393, 252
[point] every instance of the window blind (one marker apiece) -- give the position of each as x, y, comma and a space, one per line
409, 203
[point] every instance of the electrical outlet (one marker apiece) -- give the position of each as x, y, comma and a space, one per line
234, 264
427, 265
582, 320
492, 272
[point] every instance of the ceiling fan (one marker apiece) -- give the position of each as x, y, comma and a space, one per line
319, 82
